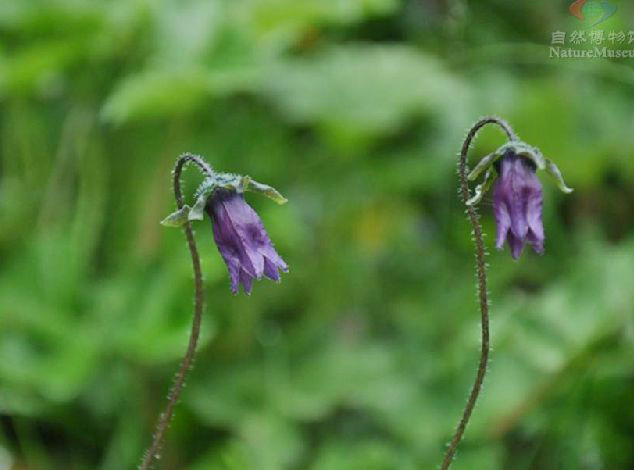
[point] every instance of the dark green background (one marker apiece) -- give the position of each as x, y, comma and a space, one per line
362, 357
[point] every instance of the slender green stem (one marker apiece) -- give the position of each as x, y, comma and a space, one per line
473, 217
153, 452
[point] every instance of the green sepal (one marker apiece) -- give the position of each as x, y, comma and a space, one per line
518, 148
484, 164
228, 181
553, 171
482, 188
249, 184
178, 218
524, 150
197, 212
206, 188
236, 183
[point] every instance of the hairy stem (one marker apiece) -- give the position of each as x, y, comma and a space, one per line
473, 217
174, 394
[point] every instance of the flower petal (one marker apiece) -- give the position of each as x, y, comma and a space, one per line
242, 240
518, 205
502, 218
234, 274
247, 281
535, 234
250, 231
516, 245
227, 239
518, 178
270, 270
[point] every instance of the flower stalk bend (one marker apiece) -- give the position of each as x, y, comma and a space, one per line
243, 243
153, 452
518, 213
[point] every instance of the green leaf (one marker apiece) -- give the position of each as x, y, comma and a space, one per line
156, 93
361, 91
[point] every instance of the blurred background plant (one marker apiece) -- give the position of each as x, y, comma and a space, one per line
362, 358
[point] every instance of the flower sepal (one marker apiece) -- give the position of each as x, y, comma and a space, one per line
228, 181
177, 218
519, 148
553, 171
516, 147
482, 188
249, 184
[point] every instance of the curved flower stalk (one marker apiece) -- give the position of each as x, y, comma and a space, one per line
518, 213
243, 244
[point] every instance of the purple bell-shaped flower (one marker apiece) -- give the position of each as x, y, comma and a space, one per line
242, 240
517, 204
517, 194
238, 231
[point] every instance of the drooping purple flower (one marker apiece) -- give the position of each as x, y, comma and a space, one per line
517, 203
242, 240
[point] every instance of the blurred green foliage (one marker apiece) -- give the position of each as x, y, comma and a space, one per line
363, 356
